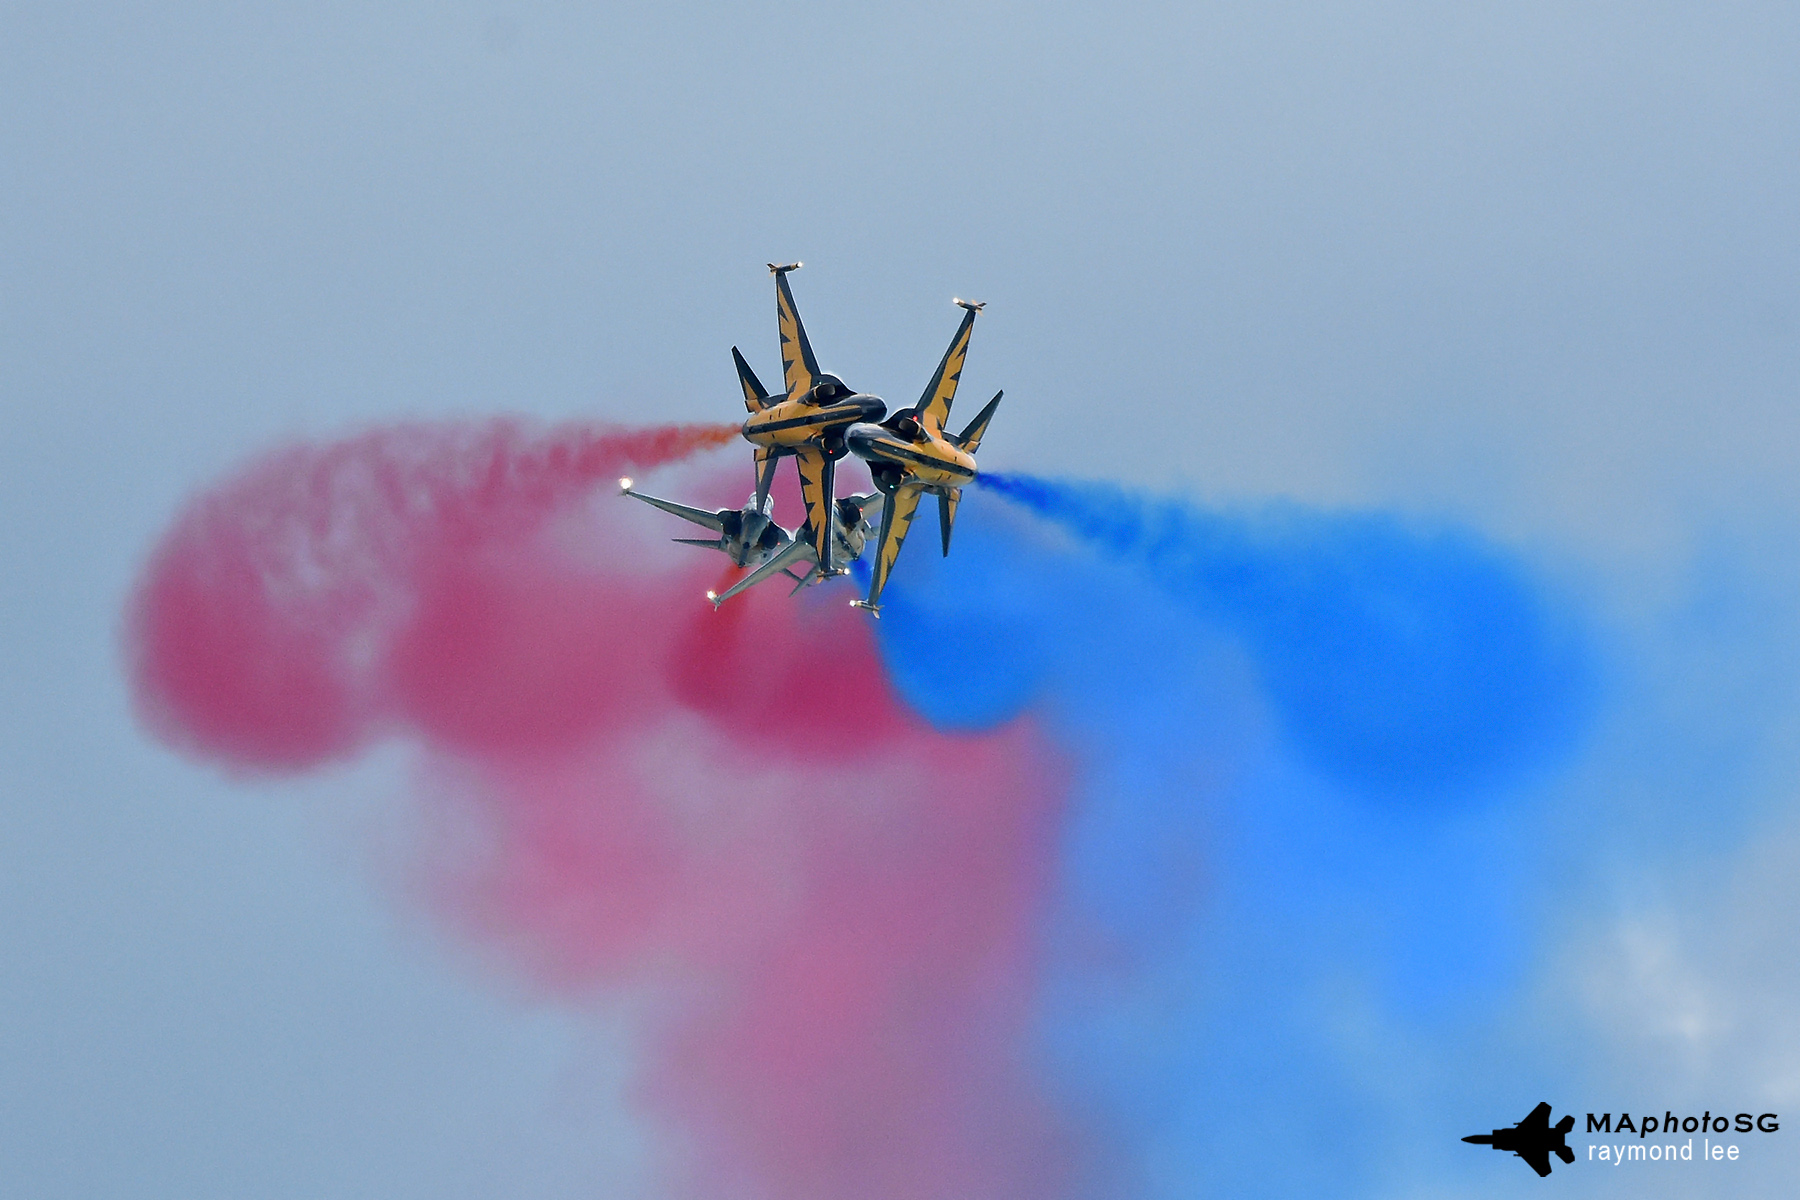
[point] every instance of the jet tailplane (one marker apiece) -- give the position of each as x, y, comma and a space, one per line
969, 440
803, 580
756, 397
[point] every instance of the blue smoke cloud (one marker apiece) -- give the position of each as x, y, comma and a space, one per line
1307, 810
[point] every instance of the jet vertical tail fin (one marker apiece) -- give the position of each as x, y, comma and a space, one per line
947, 502
970, 439
765, 458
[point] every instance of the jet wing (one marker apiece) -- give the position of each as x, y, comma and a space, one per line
896, 518
794, 551
799, 370
934, 405
1537, 1120
698, 516
817, 470
1538, 1157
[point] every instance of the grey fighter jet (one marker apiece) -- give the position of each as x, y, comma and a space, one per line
748, 536
850, 532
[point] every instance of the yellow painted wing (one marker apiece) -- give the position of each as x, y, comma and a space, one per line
799, 370
934, 405
816, 472
896, 519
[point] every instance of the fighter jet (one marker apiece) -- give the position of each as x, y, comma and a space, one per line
808, 422
1532, 1139
850, 530
748, 536
909, 454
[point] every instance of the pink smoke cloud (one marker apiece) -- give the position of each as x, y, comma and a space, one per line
831, 903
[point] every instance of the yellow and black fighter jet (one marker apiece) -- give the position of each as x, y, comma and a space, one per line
808, 422
909, 454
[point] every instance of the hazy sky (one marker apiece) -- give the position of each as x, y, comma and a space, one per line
1528, 266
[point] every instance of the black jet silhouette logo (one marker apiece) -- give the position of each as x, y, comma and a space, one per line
1532, 1139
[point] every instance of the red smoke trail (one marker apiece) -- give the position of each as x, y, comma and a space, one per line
831, 904
261, 626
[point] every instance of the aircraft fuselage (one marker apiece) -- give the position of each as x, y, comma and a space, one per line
850, 529
924, 461
749, 536
789, 424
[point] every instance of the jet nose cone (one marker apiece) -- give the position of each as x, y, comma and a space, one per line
874, 408
861, 439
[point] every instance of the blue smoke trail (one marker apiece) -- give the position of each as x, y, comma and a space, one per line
1400, 660
1309, 747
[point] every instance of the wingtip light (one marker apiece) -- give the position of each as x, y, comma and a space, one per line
625, 486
